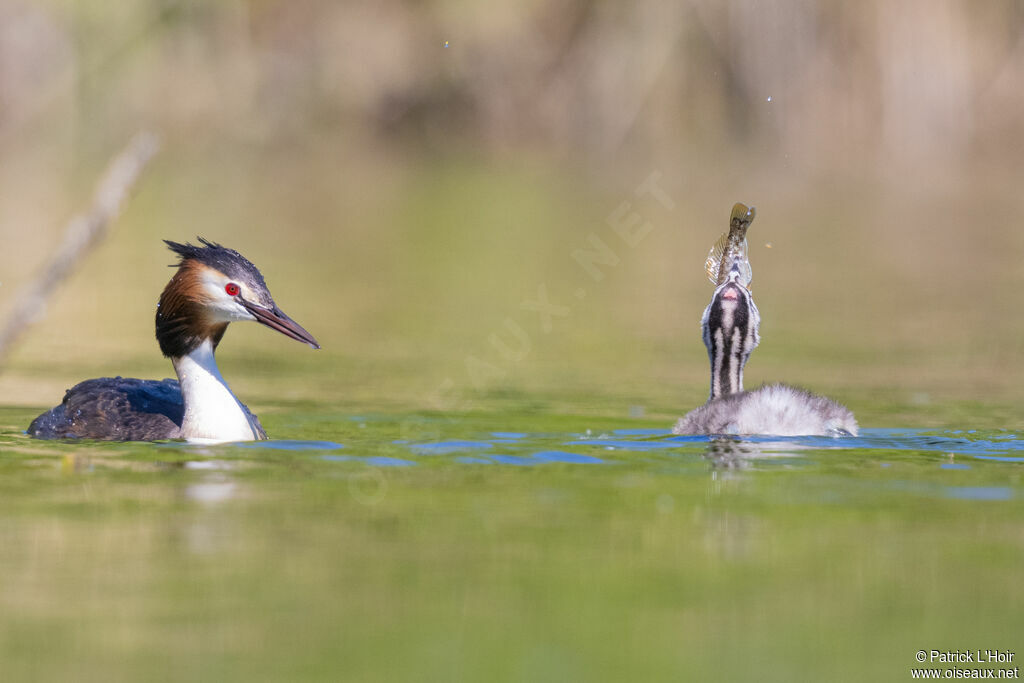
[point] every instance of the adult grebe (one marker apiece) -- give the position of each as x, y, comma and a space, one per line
731, 324
213, 286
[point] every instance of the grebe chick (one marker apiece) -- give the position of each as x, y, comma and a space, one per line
212, 287
730, 324
773, 409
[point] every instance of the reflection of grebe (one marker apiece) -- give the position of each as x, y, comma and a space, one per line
213, 286
731, 322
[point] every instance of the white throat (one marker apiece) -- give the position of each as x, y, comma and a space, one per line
212, 413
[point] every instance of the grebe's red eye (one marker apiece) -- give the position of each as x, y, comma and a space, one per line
232, 289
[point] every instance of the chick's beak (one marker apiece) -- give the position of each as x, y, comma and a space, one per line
275, 319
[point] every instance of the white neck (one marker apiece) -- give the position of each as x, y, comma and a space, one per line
212, 413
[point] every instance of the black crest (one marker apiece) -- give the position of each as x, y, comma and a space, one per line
227, 261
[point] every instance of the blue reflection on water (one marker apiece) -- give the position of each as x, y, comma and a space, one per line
378, 460
513, 459
641, 432
980, 492
531, 459
1000, 447
563, 456
292, 445
640, 444
444, 447
959, 454
999, 458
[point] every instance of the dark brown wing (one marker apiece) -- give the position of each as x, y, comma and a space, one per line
115, 409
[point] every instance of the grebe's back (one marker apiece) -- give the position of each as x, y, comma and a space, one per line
119, 409
114, 409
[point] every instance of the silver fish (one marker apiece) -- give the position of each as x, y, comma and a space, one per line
730, 247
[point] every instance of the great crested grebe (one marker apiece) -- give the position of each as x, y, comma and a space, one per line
731, 325
213, 286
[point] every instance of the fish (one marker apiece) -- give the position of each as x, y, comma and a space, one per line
732, 246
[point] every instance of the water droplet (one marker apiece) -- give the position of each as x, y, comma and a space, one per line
769, 99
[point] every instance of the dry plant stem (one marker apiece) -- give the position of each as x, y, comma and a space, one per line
83, 232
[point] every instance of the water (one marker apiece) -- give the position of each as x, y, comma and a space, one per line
513, 535
505, 547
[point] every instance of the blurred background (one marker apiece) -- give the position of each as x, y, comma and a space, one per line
414, 178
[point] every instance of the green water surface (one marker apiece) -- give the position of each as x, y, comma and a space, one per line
485, 546
441, 504
473, 479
